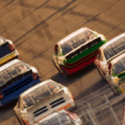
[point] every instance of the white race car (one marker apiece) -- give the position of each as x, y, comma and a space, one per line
108, 51
41, 100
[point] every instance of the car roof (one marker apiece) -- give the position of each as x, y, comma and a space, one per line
51, 115
117, 58
9, 64
72, 35
35, 87
112, 41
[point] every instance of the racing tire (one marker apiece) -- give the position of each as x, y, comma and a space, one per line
17, 56
65, 74
18, 119
56, 67
115, 91
75, 107
101, 74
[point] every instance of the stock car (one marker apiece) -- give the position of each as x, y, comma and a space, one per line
61, 117
42, 99
107, 53
116, 73
7, 50
77, 50
16, 77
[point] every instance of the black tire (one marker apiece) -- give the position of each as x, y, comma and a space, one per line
65, 74
73, 108
101, 74
56, 66
17, 56
18, 119
115, 91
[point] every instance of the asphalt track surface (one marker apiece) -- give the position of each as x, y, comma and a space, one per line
36, 25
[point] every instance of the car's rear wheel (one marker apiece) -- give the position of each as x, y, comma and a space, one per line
18, 119
65, 74
56, 66
116, 91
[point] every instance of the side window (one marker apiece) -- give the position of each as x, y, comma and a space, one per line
56, 49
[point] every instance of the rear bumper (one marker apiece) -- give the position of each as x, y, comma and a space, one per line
78, 67
8, 57
69, 104
16, 94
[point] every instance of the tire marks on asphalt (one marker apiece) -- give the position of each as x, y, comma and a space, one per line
41, 23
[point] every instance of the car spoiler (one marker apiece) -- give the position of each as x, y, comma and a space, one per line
42, 108
109, 60
40, 103
8, 83
83, 47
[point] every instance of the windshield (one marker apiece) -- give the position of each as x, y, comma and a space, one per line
114, 48
12, 72
60, 119
76, 41
119, 66
40, 93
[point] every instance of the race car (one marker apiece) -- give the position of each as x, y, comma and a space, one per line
108, 51
16, 77
116, 73
77, 50
61, 117
42, 99
7, 50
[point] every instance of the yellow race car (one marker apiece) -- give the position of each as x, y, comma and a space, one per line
7, 50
